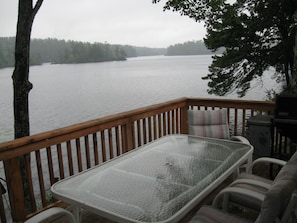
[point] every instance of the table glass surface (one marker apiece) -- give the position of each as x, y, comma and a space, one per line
154, 182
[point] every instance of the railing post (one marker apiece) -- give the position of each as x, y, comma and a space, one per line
127, 137
15, 189
184, 120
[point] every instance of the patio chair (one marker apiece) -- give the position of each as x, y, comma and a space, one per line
211, 123
259, 184
51, 214
277, 204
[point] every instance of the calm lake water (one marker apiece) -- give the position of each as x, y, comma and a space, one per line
66, 94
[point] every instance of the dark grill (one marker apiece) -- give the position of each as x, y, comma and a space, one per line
285, 115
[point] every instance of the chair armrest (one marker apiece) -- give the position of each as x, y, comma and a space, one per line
225, 193
240, 139
251, 182
50, 213
267, 160
270, 160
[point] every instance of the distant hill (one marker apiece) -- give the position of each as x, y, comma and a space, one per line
63, 52
189, 48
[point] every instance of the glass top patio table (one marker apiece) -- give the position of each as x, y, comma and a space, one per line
159, 182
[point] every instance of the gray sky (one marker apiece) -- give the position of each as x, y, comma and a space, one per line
133, 22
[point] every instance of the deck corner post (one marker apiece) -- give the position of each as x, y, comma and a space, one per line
15, 189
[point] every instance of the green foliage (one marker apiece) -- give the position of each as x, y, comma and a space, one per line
271, 95
60, 51
188, 48
78, 52
7, 52
256, 35
48, 200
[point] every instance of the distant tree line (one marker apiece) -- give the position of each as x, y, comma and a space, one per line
66, 52
189, 48
7, 52
146, 51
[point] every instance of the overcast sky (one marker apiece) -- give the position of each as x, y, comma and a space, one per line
133, 22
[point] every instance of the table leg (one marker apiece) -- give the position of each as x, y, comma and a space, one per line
249, 164
76, 213
246, 166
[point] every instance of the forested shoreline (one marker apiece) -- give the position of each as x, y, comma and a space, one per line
67, 52
189, 48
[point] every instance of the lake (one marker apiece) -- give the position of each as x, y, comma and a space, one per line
71, 93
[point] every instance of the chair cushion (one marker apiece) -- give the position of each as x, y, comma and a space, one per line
293, 159
287, 172
276, 200
249, 202
210, 123
209, 214
245, 175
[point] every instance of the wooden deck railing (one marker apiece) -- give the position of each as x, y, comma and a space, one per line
57, 154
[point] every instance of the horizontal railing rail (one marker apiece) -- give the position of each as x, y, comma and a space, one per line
38, 161
238, 110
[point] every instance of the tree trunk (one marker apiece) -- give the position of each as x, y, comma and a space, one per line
22, 87
295, 63
21, 84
